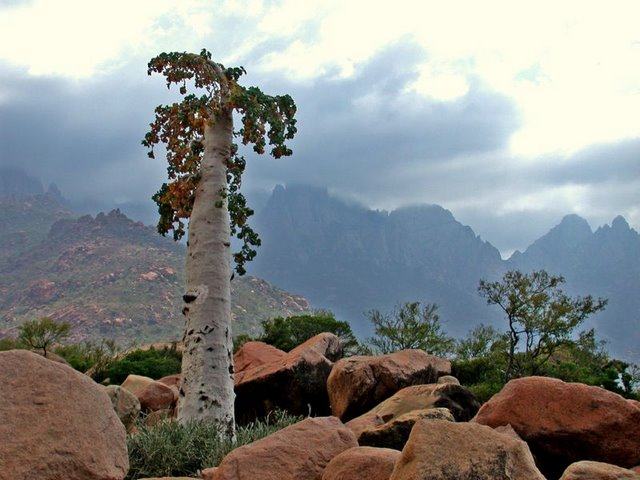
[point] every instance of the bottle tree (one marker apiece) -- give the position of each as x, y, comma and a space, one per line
203, 195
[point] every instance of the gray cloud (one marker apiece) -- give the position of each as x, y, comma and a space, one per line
368, 138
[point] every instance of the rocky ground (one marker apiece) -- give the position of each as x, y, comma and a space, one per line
392, 417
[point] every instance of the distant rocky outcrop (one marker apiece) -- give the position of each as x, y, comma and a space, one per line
350, 259
106, 275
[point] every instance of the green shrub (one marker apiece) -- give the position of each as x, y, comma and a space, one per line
482, 375
43, 333
9, 343
86, 355
154, 363
288, 333
172, 449
410, 325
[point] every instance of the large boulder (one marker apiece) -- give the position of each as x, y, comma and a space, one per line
587, 470
56, 423
298, 452
136, 383
440, 450
296, 382
395, 432
125, 404
174, 380
567, 422
254, 354
457, 399
360, 463
157, 396
359, 383
153, 394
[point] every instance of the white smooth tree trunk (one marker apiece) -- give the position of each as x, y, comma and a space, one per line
207, 362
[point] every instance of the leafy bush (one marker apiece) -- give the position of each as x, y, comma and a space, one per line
9, 343
288, 333
172, 449
88, 355
583, 360
154, 363
410, 326
482, 375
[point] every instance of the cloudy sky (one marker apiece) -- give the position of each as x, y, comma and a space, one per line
511, 114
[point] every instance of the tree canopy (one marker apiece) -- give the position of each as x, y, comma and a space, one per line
409, 326
266, 120
540, 316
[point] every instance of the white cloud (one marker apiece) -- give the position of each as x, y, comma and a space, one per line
571, 67
80, 38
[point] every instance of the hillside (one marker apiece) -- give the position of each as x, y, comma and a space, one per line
107, 275
350, 259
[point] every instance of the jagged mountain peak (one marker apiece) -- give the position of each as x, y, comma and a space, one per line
572, 225
620, 223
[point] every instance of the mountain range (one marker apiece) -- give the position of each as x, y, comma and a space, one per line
112, 276
109, 276
351, 259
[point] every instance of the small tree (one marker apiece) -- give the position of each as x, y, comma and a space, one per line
43, 333
479, 342
205, 171
410, 326
540, 316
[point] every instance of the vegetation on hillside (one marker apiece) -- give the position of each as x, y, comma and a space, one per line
480, 360
108, 276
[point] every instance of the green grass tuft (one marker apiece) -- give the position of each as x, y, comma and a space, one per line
172, 449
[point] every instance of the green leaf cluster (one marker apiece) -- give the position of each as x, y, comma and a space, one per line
153, 363
410, 326
266, 120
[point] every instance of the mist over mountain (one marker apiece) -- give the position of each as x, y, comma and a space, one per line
351, 259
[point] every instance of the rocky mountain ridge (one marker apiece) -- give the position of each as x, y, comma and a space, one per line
107, 275
350, 259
